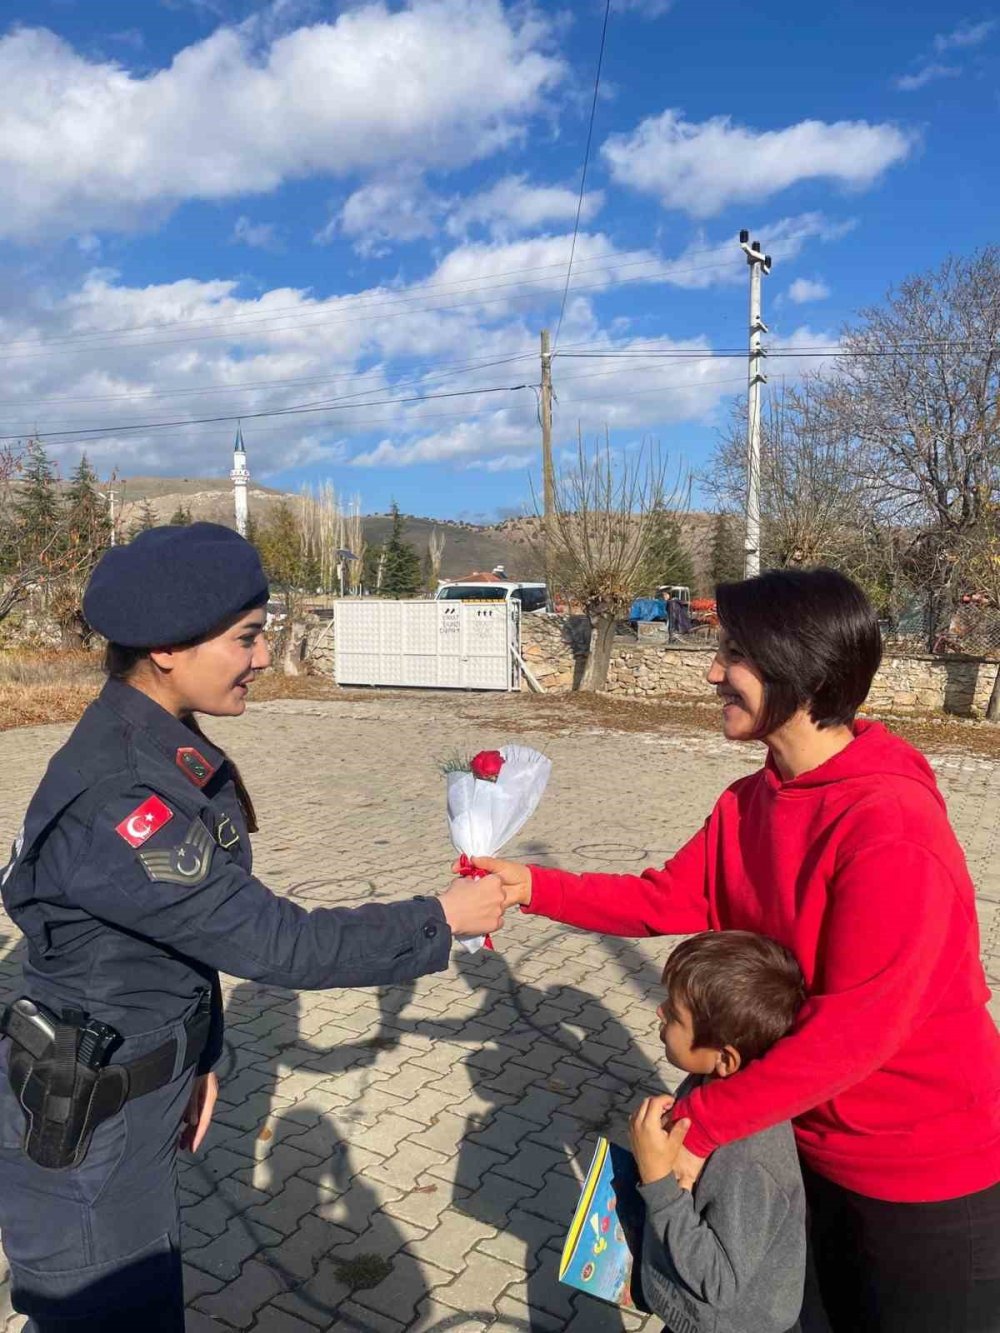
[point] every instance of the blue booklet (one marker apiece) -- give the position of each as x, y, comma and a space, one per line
605, 1234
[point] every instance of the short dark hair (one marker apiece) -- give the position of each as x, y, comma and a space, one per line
814, 637
743, 990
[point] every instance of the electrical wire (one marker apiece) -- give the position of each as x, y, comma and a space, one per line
83, 432
303, 323
86, 434
583, 173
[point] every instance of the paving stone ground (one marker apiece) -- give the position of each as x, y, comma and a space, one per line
408, 1158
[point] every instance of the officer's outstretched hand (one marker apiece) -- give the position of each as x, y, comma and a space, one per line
198, 1115
474, 906
515, 877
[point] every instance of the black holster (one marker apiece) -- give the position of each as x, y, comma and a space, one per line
63, 1100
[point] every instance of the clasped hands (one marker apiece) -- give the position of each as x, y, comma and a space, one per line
477, 906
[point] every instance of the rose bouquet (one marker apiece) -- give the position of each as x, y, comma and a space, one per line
490, 798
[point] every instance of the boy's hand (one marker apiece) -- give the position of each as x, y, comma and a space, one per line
656, 1149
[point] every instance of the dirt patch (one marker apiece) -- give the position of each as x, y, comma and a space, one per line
36, 688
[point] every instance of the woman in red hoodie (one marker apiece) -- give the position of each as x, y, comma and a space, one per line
840, 849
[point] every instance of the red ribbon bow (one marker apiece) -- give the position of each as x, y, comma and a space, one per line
468, 871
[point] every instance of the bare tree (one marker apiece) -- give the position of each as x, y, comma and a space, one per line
918, 396
435, 550
816, 493
604, 512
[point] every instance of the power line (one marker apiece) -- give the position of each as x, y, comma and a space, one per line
460, 367
831, 350
583, 174
416, 292
463, 287
320, 318
85, 432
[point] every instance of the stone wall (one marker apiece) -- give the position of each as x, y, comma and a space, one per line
554, 649
903, 684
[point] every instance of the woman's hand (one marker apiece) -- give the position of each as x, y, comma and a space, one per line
656, 1148
474, 906
198, 1113
687, 1168
515, 877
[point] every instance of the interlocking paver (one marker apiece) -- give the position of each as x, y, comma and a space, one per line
395, 1118
448, 1244
224, 1256
239, 1301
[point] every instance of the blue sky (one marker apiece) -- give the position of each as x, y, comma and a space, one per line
219, 207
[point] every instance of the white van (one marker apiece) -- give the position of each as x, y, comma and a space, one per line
531, 595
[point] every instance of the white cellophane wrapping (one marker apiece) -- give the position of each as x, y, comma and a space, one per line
484, 816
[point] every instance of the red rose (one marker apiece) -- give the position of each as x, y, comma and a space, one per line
487, 765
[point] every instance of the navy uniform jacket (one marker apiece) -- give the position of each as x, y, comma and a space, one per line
131, 881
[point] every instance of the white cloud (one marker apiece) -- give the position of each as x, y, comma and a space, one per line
910, 83
109, 355
647, 9
258, 235
808, 289
85, 144
513, 205
701, 168
817, 350
964, 36
400, 208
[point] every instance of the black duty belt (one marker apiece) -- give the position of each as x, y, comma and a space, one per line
58, 1071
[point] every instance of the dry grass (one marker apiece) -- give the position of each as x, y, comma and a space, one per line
54, 686
45, 686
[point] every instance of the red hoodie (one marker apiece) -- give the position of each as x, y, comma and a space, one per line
892, 1074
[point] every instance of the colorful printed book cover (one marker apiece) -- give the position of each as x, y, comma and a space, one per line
606, 1231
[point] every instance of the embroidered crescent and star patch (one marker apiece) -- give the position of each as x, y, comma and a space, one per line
187, 863
193, 765
143, 822
225, 833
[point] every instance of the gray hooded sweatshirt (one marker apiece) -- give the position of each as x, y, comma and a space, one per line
731, 1256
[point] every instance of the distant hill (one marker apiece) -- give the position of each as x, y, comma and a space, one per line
468, 547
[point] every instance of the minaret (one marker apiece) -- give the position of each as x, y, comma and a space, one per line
240, 478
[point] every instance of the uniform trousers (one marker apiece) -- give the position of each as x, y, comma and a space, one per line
96, 1248
903, 1267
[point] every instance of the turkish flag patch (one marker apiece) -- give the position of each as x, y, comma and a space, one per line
143, 822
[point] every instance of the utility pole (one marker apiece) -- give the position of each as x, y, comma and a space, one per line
548, 477
759, 264
548, 481
110, 497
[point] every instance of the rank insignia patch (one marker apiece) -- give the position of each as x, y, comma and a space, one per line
143, 822
187, 863
225, 833
194, 765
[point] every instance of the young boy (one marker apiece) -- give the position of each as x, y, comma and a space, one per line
729, 1257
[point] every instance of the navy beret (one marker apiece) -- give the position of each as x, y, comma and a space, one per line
171, 585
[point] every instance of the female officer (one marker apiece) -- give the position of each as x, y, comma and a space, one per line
131, 882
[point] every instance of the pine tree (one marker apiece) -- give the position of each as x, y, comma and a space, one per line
88, 524
667, 560
401, 574
37, 508
145, 519
181, 517
726, 561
